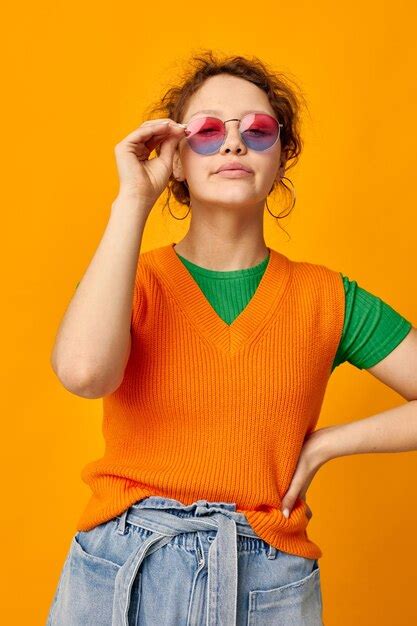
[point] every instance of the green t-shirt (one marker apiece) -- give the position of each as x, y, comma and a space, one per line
371, 328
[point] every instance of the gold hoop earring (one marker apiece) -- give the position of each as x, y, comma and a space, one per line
292, 193
178, 218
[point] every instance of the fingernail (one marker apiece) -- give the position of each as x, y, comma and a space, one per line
286, 513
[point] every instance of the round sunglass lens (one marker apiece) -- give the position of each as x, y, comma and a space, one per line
259, 131
205, 135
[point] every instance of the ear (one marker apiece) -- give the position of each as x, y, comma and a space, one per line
177, 166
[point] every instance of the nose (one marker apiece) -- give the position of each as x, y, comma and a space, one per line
233, 141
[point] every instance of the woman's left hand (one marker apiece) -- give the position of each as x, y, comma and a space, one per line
309, 462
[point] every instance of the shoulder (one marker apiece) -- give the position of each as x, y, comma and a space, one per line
313, 275
151, 261
149, 256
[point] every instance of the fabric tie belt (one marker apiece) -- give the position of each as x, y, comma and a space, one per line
222, 554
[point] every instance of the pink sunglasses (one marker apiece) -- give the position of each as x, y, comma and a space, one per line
206, 134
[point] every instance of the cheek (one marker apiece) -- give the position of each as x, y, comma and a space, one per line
266, 163
195, 166
187, 157
273, 165
267, 168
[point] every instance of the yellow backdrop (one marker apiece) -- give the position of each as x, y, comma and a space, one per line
77, 77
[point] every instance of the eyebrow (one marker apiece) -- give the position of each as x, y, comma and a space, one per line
217, 112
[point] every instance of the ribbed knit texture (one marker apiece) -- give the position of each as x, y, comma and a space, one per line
371, 330
372, 327
208, 410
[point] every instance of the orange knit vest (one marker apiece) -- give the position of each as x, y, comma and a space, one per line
213, 411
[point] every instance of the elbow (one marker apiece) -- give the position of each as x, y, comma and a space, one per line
84, 383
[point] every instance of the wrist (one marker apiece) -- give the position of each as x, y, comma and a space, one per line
126, 200
321, 446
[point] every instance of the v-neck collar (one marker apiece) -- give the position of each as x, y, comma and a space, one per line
229, 338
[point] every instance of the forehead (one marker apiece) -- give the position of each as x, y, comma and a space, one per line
226, 96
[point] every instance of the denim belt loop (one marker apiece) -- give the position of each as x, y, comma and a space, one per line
122, 522
272, 552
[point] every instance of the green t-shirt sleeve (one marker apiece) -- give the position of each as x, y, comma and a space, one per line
371, 329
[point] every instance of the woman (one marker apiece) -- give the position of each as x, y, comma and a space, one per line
213, 380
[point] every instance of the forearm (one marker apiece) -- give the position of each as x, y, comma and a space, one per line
394, 430
93, 340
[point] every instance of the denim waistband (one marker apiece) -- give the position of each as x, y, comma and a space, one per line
221, 517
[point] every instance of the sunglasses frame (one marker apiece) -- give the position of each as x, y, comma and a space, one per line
236, 119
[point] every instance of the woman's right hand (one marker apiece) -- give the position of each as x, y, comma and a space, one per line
138, 175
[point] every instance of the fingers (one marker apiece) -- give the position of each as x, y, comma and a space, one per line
289, 501
161, 134
150, 128
150, 134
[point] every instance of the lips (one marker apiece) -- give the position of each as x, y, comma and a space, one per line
234, 166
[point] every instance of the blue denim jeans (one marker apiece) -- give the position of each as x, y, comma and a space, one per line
165, 563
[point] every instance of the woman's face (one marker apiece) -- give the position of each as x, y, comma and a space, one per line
227, 97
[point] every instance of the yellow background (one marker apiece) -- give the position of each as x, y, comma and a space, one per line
77, 78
